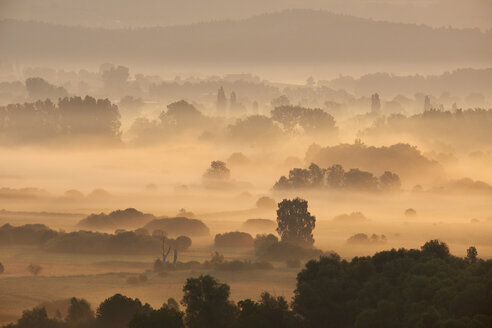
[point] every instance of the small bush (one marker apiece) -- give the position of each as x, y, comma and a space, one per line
362, 238
409, 212
34, 269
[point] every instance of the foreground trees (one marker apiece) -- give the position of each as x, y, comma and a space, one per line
207, 303
396, 288
391, 289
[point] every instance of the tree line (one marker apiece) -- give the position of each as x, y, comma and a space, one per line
69, 117
335, 177
426, 287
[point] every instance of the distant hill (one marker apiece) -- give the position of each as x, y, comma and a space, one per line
131, 13
287, 37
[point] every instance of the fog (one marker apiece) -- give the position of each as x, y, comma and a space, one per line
144, 145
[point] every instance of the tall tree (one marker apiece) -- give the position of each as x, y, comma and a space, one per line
221, 101
295, 223
375, 104
207, 303
233, 102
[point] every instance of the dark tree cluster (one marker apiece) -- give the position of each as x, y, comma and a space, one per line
128, 218
216, 263
217, 171
182, 115
270, 248
121, 242
124, 242
235, 239
39, 89
335, 177
181, 118
405, 159
295, 226
28, 234
300, 120
397, 288
364, 239
394, 289
70, 117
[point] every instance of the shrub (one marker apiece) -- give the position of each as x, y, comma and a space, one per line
267, 247
34, 269
234, 239
362, 238
129, 218
179, 226
409, 212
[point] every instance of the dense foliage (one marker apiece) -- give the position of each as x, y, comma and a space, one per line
394, 289
295, 222
70, 117
335, 177
128, 218
235, 239
121, 242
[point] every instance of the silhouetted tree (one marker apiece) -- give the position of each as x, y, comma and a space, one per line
295, 223
269, 312
233, 102
297, 119
375, 104
427, 103
88, 116
182, 115
360, 180
37, 318
39, 89
166, 316
389, 181
218, 171
471, 254
79, 313
118, 310
335, 177
221, 101
207, 303
233, 239
436, 248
